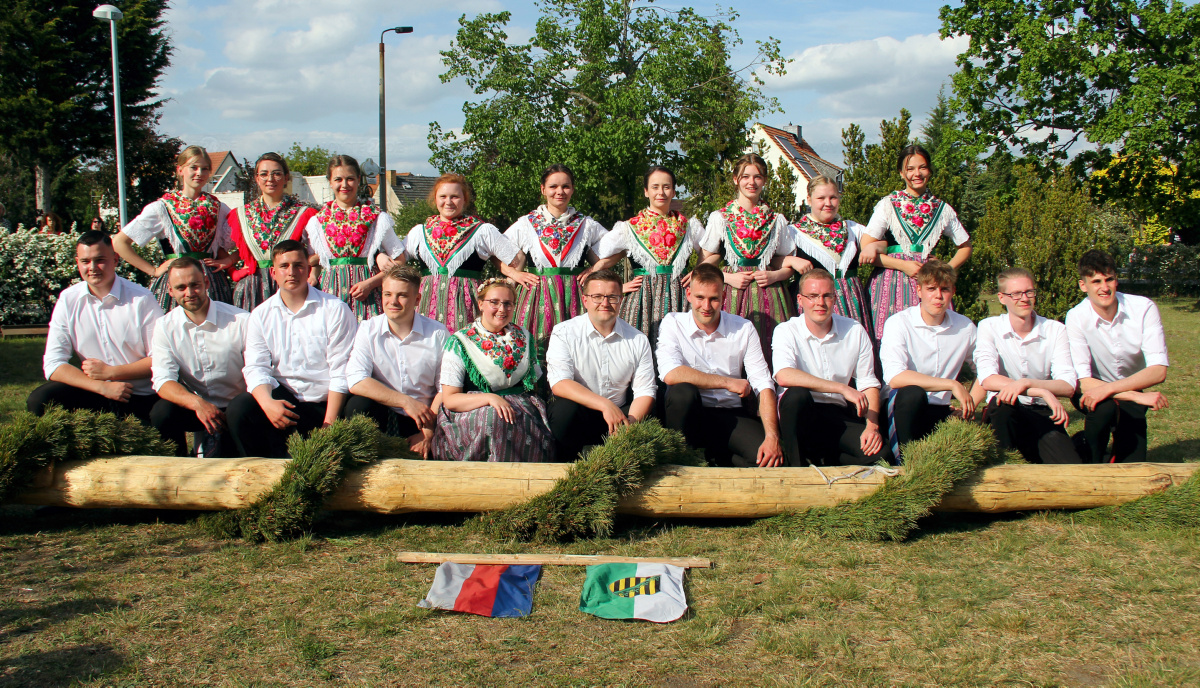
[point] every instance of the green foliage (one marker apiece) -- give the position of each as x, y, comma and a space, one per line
607, 87
932, 467
1175, 507
1175, 268
783, 191
307, 161
583, 502
1043, 74
411, 215
870, 172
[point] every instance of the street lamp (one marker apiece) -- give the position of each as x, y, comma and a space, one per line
111, 15
381, 179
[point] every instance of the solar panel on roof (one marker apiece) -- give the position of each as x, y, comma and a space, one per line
787, 146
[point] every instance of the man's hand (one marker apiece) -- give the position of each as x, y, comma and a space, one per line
420, 442
870, 440
1156, 401
96, 369
965, 400
856, 399
1010, 393
770, 454
280, 413
1092, 398
739, 387
211, 417
421, 414
614, 417
116, 390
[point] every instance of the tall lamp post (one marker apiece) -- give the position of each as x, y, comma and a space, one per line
112, 15
381, 179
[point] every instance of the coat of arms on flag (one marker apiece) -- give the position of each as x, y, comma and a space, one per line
653, 592
486, 590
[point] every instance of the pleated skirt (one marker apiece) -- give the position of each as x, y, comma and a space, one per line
219, 288
449, 300
338, 279
555, 298
482, 435
645, 308
764, 307
250, 291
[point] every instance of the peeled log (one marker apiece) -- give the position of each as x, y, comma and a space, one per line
394, 486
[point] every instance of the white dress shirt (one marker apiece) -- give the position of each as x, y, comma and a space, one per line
207, 358
934, 350
844, 354
1044, 354
409, 365
116, 329
1111, 351
608, 366
731, 349
304, 351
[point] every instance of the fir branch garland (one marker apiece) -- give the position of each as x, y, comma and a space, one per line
1175, 507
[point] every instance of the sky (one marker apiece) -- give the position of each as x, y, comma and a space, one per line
257, 75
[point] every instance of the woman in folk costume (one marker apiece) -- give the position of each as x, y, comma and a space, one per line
188, 222
454, 245
348, 235
555, 238
489, 411
916, 220
659, 242
260, 224
824, 239
756, 239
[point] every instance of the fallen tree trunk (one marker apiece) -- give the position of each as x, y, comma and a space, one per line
393, 486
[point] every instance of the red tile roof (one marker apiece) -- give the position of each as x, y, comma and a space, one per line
218, 157
801, 147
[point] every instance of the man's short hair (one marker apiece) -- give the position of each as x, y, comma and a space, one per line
707, 273
815, 273
287, 246
92, 238
401, 272
936, 272
1096, 262
184, 263
605, 275
1012, 273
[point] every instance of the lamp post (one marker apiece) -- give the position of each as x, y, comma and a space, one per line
381, 179
112, 15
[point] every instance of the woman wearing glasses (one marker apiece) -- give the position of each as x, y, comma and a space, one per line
256, 227
659, 242
556, 238
454, 246
348, 235
489, 411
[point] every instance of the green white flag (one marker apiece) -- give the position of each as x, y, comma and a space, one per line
653, 592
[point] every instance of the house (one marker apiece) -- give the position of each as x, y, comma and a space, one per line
404, 188
786, 143
224, 183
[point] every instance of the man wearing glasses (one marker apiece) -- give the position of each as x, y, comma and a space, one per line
599, 368
831, 399
1024, 362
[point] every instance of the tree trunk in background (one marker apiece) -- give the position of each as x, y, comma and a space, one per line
41, 188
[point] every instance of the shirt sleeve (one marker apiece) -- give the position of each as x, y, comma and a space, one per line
893, 352
596, 234
147, 225
390, 244
696, 233
360, 364
516, 233
783, 349
314, 239
1154, 341
864, 370
953, 229
757, 372
164, 366
1061, 367
559, 366
669, 355
986, 356
412, 242
224, 238
613, 242
786, 244
877, 226
1081, 353
494, 244
342, 329
644, 384
454, 373
714, 232
59, 343
257, 367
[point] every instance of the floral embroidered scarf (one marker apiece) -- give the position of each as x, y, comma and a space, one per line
496, 361
346, 230
446, 238
194, 219
832, 236
265, 226
917, 216
660, 235
747, 231
558, 235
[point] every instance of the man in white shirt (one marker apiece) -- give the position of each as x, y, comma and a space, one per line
106, 321
196, 360
922, 351
817, 356
393, 369
297, 345
1119, 351
701, 357
1024, 362
599, 368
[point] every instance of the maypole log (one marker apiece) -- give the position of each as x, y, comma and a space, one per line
394, 486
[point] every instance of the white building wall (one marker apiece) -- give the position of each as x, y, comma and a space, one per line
771, 153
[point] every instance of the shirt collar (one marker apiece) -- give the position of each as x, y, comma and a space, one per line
1006, 328
311, 300
914, 318
694, 329
1121, 312
209, 323
116, 294
834, 330
616, 331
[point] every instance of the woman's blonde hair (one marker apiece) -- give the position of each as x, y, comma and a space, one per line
493, 282
819, 181
187, 155
747, 160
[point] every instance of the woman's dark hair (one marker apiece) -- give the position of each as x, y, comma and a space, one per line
271, 157
747, 160
555, 169
911, 150
658, 168
338, 161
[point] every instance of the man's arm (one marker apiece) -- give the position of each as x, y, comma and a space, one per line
930, 383
1126, 389
209, 415
770, 453
99, 370
683, 374
70, 375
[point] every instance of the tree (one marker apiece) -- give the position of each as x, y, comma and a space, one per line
870, 172
607, 87
783, 189
56, 82
1042, 75
307, 161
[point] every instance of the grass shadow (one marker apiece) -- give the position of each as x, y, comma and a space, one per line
946, 522
1183, 451
61, 667
27, 520
41, 616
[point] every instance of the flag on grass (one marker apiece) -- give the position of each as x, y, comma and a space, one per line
486, 590
653, 592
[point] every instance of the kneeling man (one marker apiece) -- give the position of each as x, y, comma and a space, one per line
702, 355
297, 345
922, 351
1024, 362
196, 360
107, 321
823, 419
600, 370
395, 363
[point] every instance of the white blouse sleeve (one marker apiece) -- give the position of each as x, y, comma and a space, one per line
454, 373
712, 235
614, 241
595, 233
493, 243
224, 238
953, 228
786, 244
390, 244
696, 233
518, 233
148, 225
877, 227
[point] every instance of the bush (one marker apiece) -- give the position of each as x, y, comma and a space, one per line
1172, 270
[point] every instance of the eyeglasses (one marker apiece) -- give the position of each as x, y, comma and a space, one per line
1029, 294
498, 304
271, 175
608, 298
819, 297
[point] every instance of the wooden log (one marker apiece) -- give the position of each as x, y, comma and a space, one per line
547, 559
394, 486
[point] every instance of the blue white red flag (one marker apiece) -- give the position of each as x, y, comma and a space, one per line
483, 589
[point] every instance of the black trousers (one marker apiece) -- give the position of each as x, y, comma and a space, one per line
72, 398
1028, 429
575, 426
728, 436
389, 422
1122, 421
174, 422
824, 434
914, 416
254, 434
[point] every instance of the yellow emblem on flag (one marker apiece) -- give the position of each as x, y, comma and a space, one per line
635, 585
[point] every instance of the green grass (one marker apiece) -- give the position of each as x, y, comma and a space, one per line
142, 598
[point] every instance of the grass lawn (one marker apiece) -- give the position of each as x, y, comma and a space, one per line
124, 598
